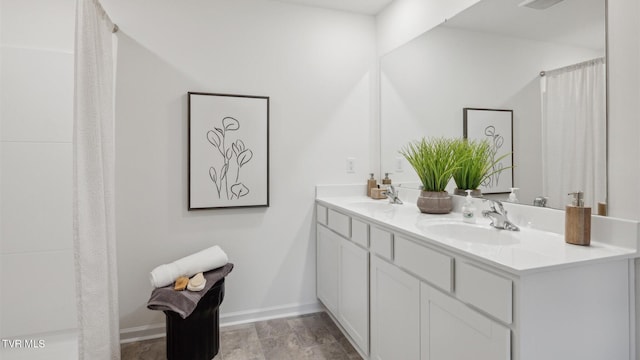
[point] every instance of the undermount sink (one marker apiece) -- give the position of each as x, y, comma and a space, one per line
472, 233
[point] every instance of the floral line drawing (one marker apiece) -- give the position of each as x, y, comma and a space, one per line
238, 151
496, 141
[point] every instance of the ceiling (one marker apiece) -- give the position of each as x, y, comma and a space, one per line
367, 7
572, 22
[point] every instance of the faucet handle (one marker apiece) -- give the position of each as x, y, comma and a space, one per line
540, 201
392, 194
493, 203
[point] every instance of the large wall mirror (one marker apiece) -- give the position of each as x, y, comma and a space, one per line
492, 56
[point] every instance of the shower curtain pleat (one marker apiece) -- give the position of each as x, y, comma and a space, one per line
574, 133
93, 181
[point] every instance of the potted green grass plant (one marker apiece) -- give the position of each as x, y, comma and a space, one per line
435, 161
477, 162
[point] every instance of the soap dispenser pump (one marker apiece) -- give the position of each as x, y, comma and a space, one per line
386, 180
577, 224
468, 210
512, 196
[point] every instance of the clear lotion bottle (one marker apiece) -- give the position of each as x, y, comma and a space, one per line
468, 210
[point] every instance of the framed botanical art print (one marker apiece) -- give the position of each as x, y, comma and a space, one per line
228, 151
495, 126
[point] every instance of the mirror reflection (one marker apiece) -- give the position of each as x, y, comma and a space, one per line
546, 65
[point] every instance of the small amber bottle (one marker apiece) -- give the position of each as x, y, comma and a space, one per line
386, 180
371, 183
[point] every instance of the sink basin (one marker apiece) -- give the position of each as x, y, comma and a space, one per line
380, 210
471, 233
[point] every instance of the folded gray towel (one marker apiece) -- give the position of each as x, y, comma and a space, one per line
184, 302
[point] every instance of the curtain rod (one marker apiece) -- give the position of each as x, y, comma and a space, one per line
600, 60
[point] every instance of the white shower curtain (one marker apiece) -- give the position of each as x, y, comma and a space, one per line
93, 180
574, 133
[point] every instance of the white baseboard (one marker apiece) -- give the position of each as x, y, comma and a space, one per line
140, 333
276, 312
155, 331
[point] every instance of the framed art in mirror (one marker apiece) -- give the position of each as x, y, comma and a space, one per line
228, 151
495, 126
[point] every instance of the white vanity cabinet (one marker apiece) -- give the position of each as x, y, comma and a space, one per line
353, 292
403, 296
450, 330
360, 264
328, 254
343, 275
395, 312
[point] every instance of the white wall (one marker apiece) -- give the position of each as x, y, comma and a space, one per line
624, 113
315, 65
36, 110
426, 83
624, 116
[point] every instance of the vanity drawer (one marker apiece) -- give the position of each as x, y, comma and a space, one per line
340, 223
430, 265
360, 233
321, 214
485, 290
381, 242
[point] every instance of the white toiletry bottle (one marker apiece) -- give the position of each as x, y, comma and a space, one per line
468, 210
512, 196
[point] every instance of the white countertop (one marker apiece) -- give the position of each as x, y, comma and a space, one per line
525, 251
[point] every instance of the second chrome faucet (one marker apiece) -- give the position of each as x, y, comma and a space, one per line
392, 195
499, 219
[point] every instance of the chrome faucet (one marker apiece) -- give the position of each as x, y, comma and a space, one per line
392, 195
540, 201
499, 219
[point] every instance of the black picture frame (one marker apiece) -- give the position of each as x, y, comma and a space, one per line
228, 151
495, 125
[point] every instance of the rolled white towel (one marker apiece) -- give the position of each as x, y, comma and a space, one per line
205, 260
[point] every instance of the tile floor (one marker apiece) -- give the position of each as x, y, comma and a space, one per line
306, 337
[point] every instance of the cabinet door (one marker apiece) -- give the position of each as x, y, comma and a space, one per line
353, 305
327, 250
450, 330
395, 313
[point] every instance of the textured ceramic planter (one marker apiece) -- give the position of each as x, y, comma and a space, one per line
435, 202
477, 193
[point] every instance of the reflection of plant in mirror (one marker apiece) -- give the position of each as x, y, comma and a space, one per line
478, 162
434, 160
238, 149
